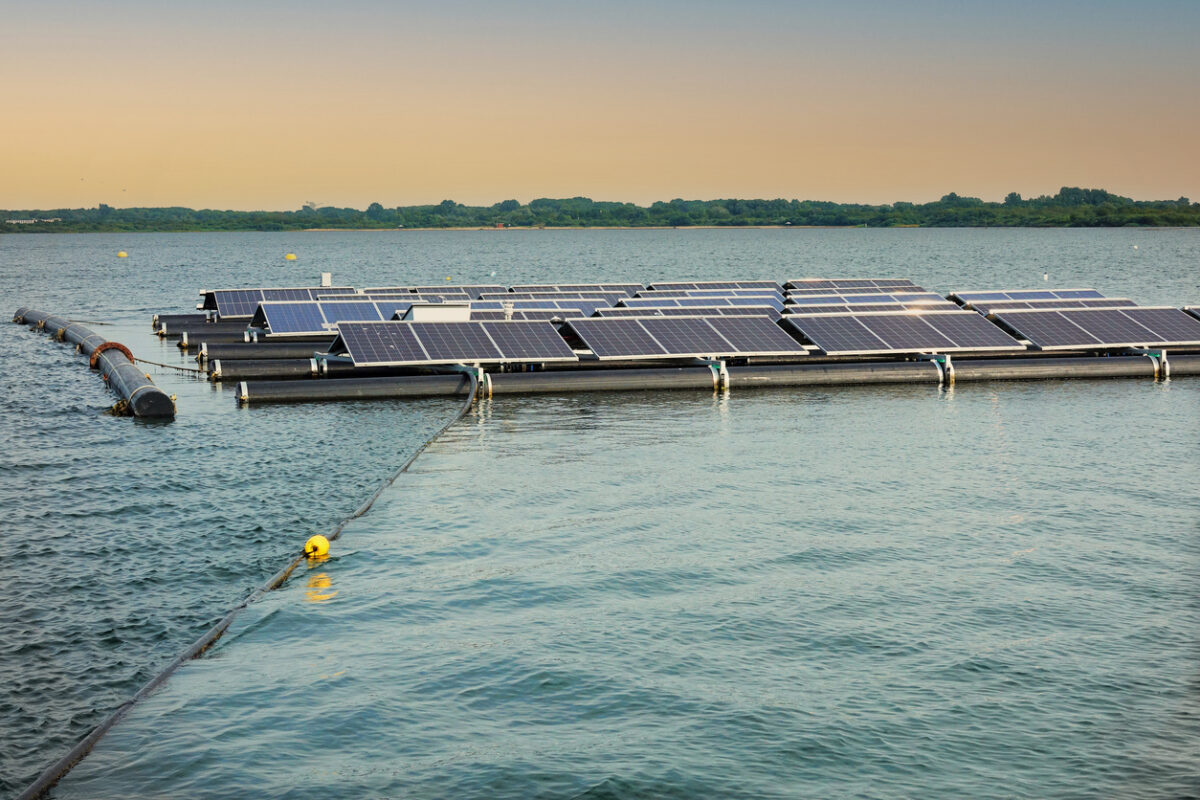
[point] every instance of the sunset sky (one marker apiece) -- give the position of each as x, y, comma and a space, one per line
249, 105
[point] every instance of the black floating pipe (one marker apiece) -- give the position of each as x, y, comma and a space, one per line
219, 370
830, 373
353, 389
177, 320
600, 380
1183, 365
239, 351
1070, 367
197, 329
139, 396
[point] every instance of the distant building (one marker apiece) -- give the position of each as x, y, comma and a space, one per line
32, 221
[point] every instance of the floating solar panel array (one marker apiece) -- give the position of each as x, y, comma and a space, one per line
683, 337
863, 308
1086, 328
231, 303
716, 285
699, 302
851, 285
899, 298
986, 307
317, 317
470, 292
624, 289
530, 314
691, 311
710, 293
595, 297
391, 344
967, 298
900, 332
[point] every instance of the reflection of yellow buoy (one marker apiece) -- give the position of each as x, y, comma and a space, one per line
316, 547
317, 583
122, 254
290, 257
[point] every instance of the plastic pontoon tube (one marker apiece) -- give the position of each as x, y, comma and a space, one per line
241, 351
139, 396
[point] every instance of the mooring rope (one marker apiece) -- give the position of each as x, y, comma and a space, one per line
54, 773
170, 366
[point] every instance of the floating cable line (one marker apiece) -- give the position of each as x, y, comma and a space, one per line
54, 773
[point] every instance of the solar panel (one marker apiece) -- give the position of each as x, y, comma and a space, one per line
471, 290
621, 288
532, 314
698, 302
1138, 326
410, 343
691, 311
1031, 294
303, 317
244, 302
837, 284
859, 308
709, 293
680, 337
902, 332
863, 299
986, 307
717, 285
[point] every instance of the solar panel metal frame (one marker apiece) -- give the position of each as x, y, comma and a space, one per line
866, 333
1079, 318
429, 337
632, 328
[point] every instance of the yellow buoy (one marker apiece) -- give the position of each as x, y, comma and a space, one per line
447, 277
122, 254
316, 547
290, 257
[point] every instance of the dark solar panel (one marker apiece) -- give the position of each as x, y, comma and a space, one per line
756, 335
1047, 329
379, 343
456, 341
353, 310
907, 332
971, 331
282, 318
528, 341
838, 284
621, 288
686, 335
859, 308
1031, 294
988, 306
841, 334
716, 285
616, 338
1104, 327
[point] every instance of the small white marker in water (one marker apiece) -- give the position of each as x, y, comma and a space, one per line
1135, 247
1045, 276
493, 273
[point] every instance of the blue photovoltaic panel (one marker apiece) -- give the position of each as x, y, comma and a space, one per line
986, 307
244, 302
1138, 326
853, 284
684, 337
1030, 294
291, 318
410, 343
864, 299
860, 308
691, 311
902, 332
710, 293
717, 285
529, 341
352, 311
625, 289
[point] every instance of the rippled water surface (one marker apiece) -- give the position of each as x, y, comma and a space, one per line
991, 591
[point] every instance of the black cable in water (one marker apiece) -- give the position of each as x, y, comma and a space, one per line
54, 773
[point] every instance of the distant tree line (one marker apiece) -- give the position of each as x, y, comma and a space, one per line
1071, 207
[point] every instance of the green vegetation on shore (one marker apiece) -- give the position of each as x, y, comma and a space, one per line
1071, 207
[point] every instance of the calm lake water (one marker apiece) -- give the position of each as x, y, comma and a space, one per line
990, 591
